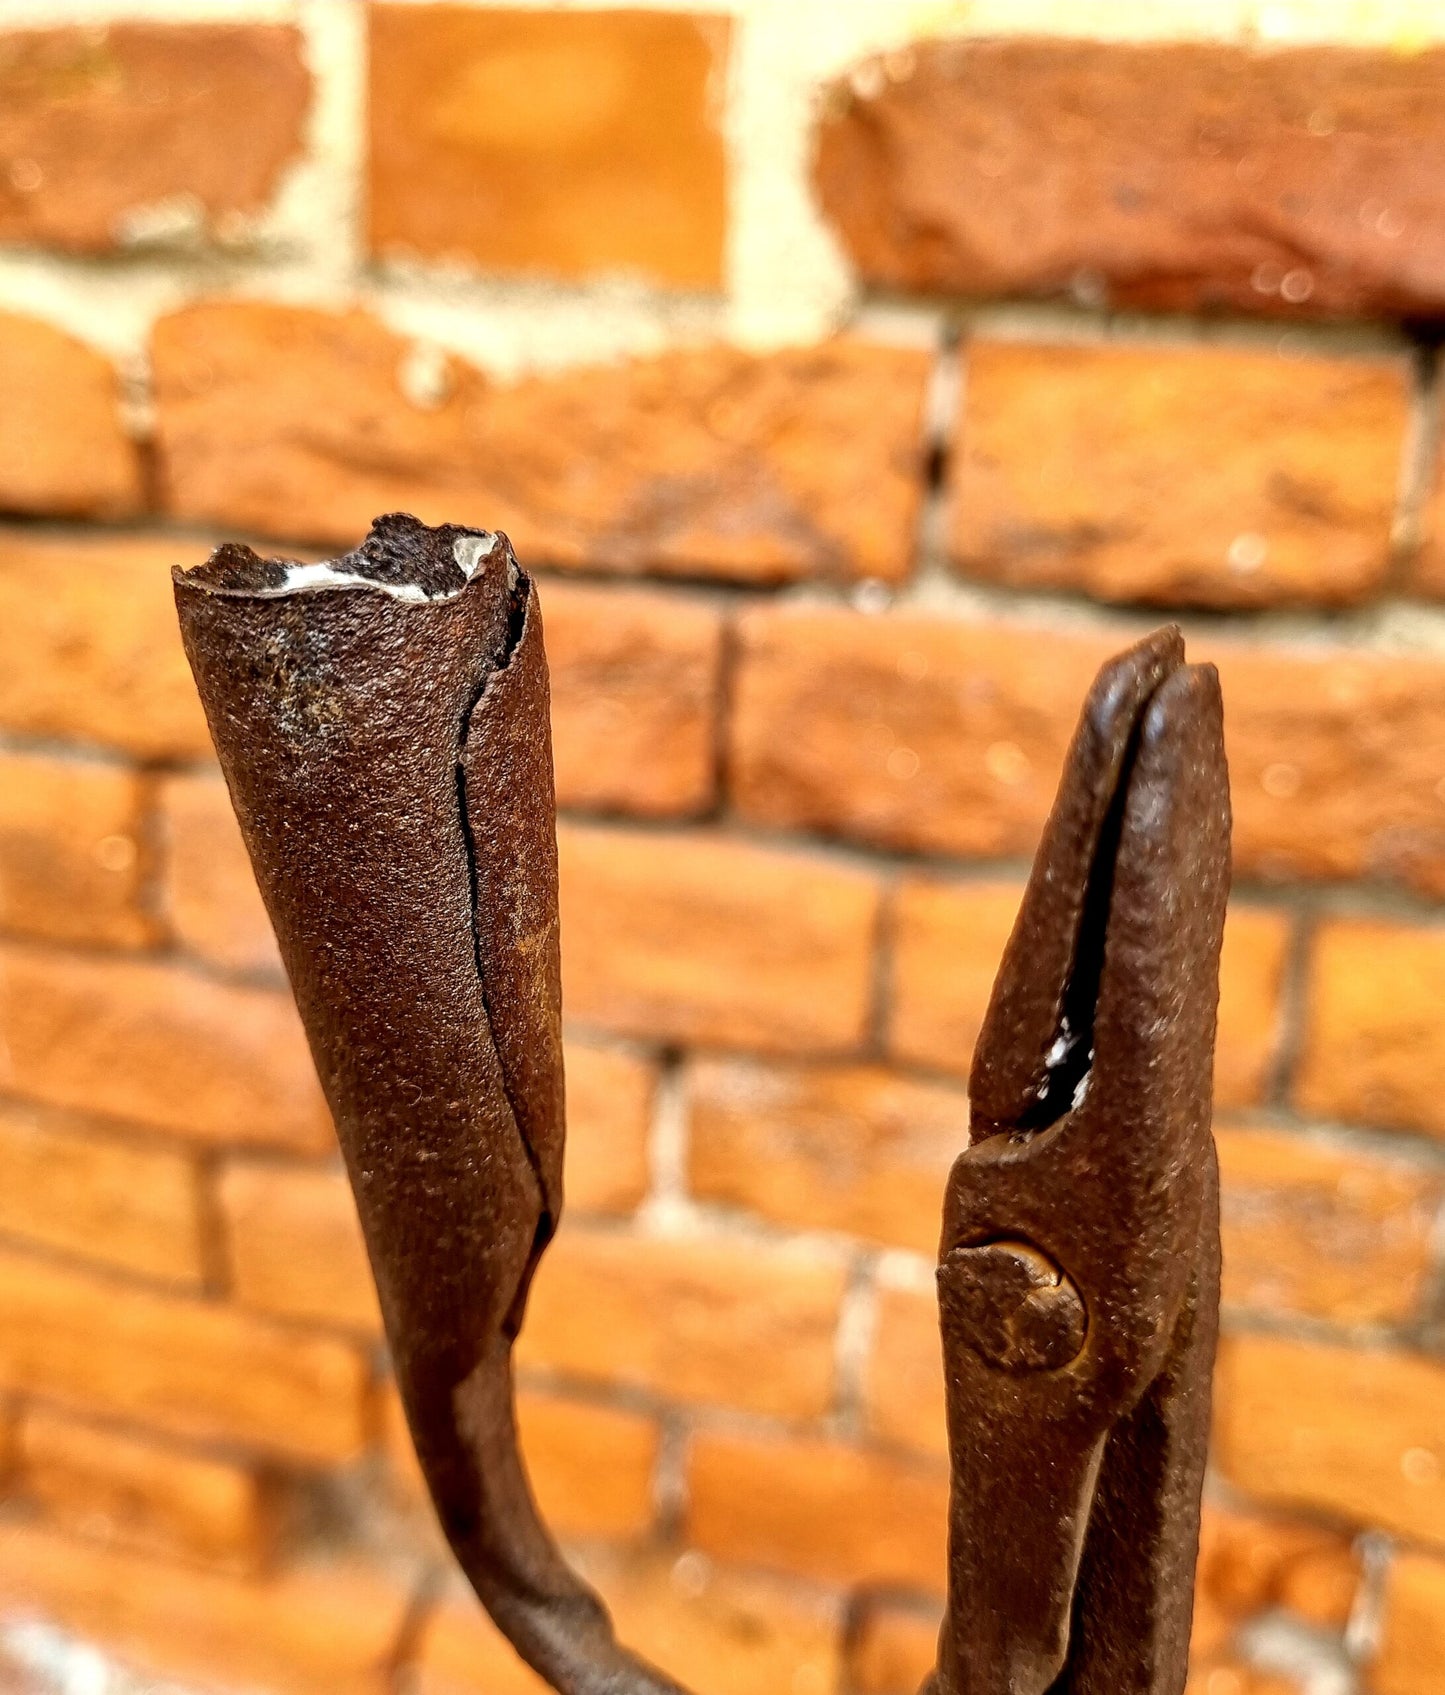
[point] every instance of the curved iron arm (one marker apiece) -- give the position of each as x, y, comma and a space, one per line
382, 723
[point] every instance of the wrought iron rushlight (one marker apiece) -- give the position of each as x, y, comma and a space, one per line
382, 722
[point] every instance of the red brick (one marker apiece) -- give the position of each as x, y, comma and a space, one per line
945, 735
609, 1114
850, 1148
112, 133
1079, 469
1412, 1644
211, 900
707, 462
62, 447
134, 1492
70, 851
818, 1508
1329, 1232
1173, 175
903, 1385
89, 648
294, 1245
190, 1368
159, 1045
1373, 1047
1352, 1432
700, 938
134, 1207
893, 1648
948, 938
635, 680
573, 144
719, 1632
689, 1318
319, 1630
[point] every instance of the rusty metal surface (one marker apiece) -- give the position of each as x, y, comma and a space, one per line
383, 727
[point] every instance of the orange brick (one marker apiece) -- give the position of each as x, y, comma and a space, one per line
321, 1630
609, 1115
190, 1368
1329, 1232
948, 938
635, 681
942, 735
211, 898
1251, 986
70, 858
1250, 1565
591, 1466
1427, 571
894, 1647
571, 144
1079, 469
689, 1319
157, 1044
820, 1509
1373, 1046
67, 1188
1174, 175
903, 1388
134, 1492
89, 646
701, 462
295, 1245
62, 448
698, 938
1349, 1431
851, 1148
139, 128
719, 1632
1412, 1644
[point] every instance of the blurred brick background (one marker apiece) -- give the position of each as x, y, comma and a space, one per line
855, 378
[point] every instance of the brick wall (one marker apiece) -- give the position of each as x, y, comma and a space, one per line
852, 396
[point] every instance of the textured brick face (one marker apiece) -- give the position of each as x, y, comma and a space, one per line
1352, 1433
1316, 1230
1373, 1047
67, 1187
635, 682
70, 851
110, 137
62, 448
190, 1368
89, 650
1171, 175
851, 1148
151, 1044
948, 736
689, 1319
1079, 470
143, 1494
705, 939
708, 462
571, 144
